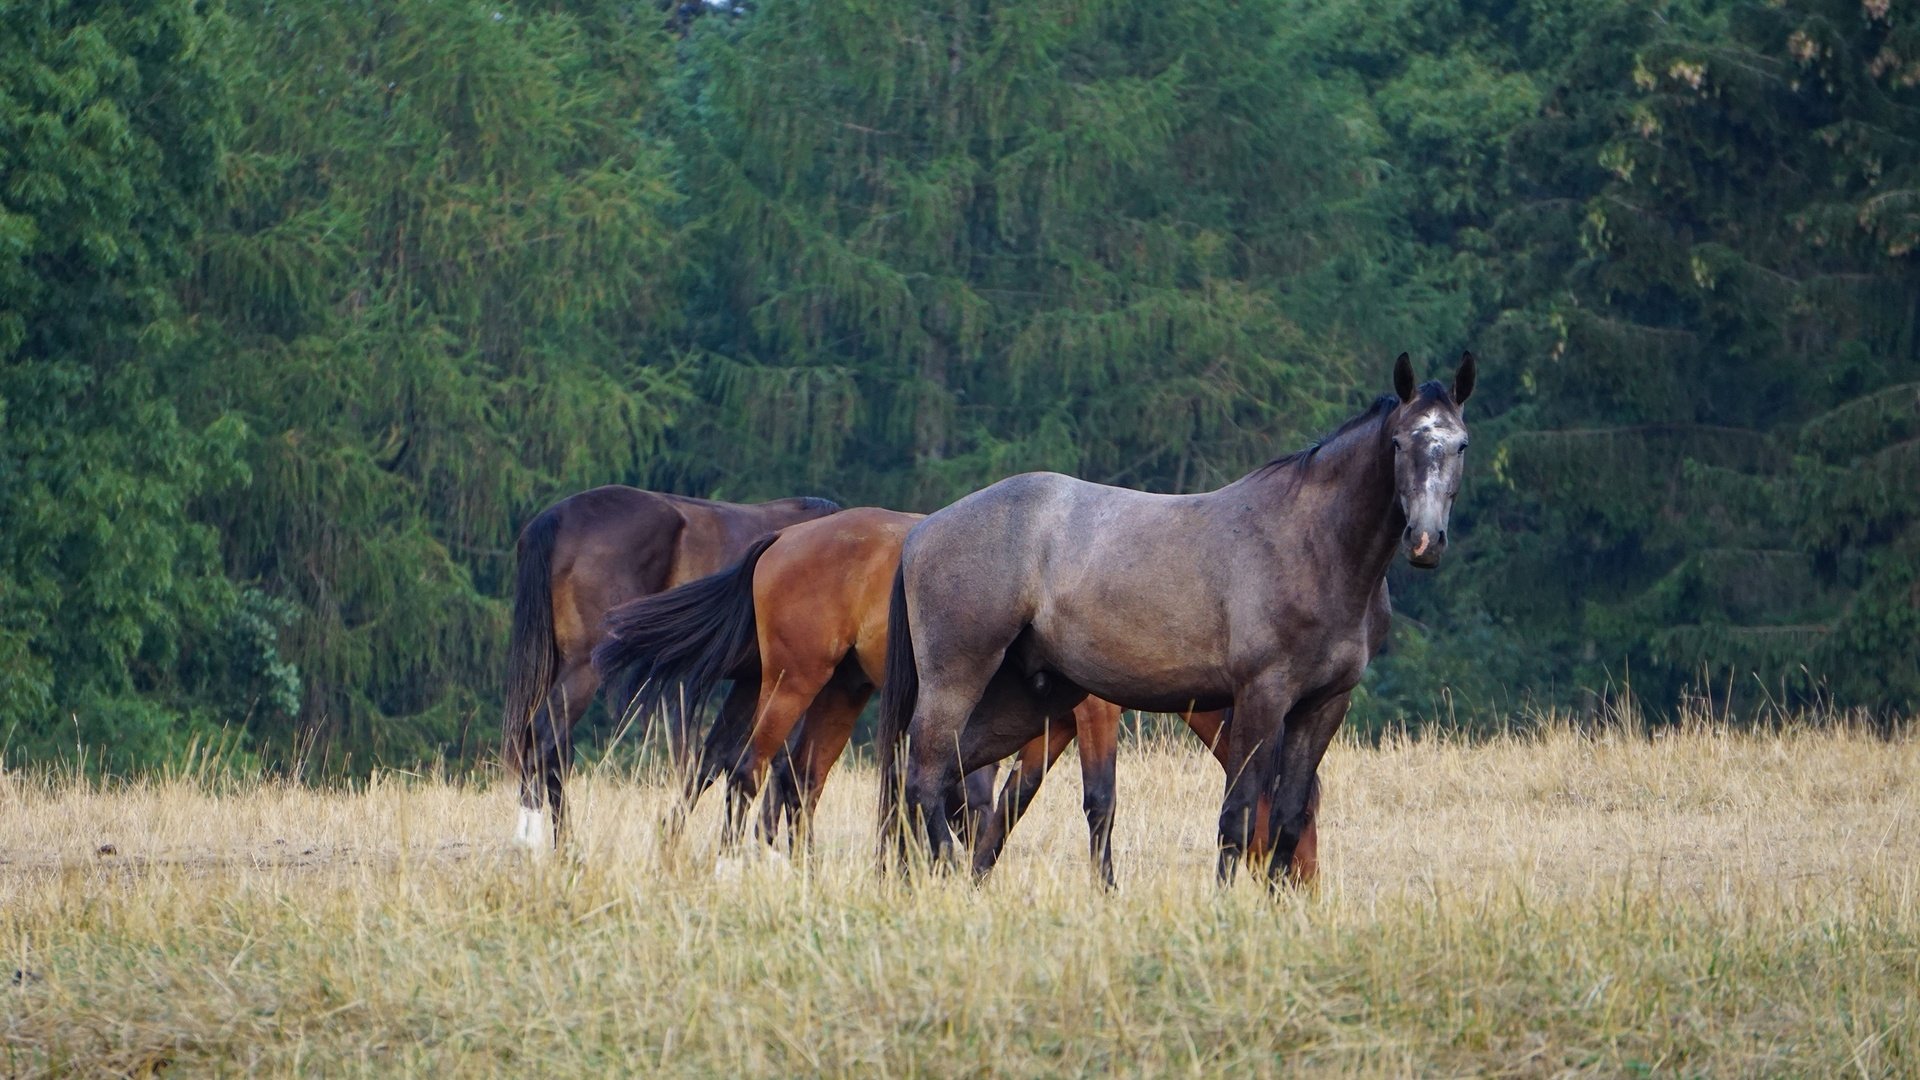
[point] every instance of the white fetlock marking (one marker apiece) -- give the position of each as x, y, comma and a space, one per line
752, 859
532, 832
778, 860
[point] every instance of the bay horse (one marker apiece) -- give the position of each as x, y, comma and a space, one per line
823, 654
577, 559
803, 618
1267, 595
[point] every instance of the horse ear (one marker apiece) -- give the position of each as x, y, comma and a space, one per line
1403, 378
1463, 380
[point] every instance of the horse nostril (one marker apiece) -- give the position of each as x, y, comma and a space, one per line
1408, 534
1443, 536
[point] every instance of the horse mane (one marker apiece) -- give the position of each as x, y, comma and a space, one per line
814, 502
1372, 414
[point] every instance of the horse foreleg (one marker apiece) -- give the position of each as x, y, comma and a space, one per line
1294, 786
724, 742
780, 796
1259, 722
1023, 783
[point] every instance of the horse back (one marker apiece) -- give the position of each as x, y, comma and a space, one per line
714, 535
1118, 590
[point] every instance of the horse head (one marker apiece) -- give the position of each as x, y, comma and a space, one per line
1429, 454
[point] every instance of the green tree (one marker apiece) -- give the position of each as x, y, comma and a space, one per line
438, 290
952, 241
1715, 467
117, 629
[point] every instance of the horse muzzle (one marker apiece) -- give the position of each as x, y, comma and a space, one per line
1424, 544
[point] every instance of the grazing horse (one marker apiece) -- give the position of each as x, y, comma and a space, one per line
577, 559
799, 625
1267, 595
803, 618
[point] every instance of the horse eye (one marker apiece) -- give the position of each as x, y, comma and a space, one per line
1463, 448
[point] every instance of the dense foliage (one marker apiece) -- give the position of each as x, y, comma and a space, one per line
305, 307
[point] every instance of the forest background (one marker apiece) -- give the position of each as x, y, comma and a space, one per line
305, 307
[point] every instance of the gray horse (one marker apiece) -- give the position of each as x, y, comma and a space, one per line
1268, 595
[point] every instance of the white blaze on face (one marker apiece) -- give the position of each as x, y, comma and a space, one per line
532, 832
1439, 436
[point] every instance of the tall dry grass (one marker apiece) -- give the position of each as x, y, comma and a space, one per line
1701, 903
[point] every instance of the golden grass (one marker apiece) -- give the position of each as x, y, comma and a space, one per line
1704, 903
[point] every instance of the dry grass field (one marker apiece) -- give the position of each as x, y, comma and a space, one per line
1705, 903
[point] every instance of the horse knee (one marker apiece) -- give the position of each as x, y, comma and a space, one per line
1098, 800
1236, 826
927, 791
927, 794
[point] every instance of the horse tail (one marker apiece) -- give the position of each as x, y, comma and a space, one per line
897, 700
685, 641
533, 656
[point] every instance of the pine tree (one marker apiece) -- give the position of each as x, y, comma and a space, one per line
438, 291
119, 637
1719, 467
952, 241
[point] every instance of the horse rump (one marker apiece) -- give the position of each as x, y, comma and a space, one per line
683, 642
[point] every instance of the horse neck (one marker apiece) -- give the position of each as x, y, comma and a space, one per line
1349, 480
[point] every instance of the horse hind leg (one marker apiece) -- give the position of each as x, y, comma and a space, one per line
543, 785
1306, 853
801, 773
969, 803
784, 699
937, 746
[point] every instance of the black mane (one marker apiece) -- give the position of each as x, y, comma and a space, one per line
1382, 405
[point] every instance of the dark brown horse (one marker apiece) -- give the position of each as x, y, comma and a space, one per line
578, 559
803, 618
1267, 595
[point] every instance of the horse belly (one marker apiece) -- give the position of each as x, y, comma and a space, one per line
1159, 666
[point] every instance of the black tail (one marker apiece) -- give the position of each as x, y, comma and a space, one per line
897, 699
683, 642
533, 658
